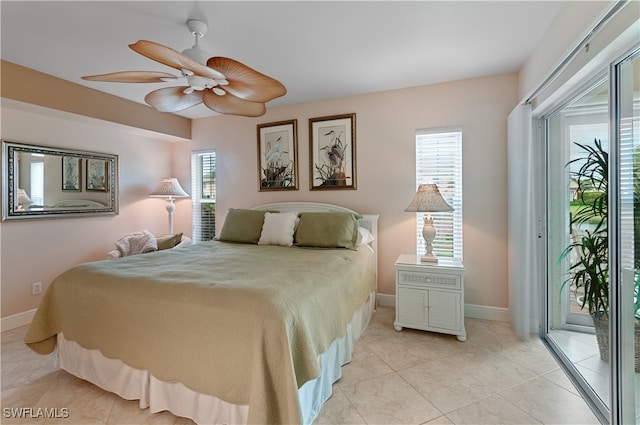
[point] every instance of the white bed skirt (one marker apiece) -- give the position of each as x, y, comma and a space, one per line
135, 384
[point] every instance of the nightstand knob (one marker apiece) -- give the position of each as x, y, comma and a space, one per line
428, 280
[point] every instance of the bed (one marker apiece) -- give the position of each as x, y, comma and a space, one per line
236, 330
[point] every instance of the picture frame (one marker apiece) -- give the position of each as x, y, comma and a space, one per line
332, 152
71, 173
278, 156
97, 172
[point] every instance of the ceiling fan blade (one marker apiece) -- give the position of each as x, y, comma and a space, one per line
132, 77
173, 99
232, 105
246, 82
173, 58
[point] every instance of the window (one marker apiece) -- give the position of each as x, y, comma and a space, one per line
203, 189
439, 161
37, 182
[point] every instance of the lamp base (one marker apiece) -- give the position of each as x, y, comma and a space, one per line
429, 234
429, 258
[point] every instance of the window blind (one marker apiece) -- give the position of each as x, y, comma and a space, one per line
203, 198
629, 167
439, 161
37, 183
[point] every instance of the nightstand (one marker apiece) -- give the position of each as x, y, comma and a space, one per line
430, 296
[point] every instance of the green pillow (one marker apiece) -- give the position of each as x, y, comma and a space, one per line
244, 226
327, 230
168, 241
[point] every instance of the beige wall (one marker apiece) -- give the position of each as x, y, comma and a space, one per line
38, 250
574, 20
385, 139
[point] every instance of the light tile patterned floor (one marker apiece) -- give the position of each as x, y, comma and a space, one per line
408, 377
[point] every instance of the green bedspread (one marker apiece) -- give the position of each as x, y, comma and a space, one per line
245, 323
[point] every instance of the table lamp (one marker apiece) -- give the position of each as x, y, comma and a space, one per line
23, 199
169, 188
428, 199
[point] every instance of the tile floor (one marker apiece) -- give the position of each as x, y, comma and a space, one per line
408, 377
582, 350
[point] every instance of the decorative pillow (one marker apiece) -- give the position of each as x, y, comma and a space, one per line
278, 228
168, 241
327, 230
364, 237
244, 226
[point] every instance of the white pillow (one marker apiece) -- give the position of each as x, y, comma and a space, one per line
278, 228
364, 237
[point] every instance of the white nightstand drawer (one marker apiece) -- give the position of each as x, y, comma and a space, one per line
434, 280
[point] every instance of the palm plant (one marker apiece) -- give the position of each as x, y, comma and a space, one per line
590, 272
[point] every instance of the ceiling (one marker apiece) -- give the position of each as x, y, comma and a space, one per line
318, 50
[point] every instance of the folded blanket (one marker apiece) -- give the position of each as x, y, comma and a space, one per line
137, 243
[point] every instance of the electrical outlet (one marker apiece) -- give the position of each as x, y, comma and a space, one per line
36, 288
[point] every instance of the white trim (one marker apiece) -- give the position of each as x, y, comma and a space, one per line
472, 311
386, 300
17, 320
486, 312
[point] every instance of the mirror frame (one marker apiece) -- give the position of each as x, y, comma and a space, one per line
9, 188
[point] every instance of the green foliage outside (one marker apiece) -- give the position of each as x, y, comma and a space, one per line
590, 270
581, 206
208, 220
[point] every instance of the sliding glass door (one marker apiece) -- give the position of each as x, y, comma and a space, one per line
625, 244
577, 144
593, 238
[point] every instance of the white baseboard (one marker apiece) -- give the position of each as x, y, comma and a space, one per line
387, 300
17, 320
473, 311
470, 310
487, 312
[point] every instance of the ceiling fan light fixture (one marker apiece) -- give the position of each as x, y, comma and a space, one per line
219, 91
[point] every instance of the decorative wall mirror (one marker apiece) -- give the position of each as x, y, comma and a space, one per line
45, 182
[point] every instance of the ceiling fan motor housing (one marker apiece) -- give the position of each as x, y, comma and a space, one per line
197, 27
197, 53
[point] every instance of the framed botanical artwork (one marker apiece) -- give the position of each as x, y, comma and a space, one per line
97, 172
71, 173
332, 152
278, 155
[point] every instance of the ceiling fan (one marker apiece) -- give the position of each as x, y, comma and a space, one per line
222, 84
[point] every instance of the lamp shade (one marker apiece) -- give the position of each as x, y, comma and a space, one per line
23, 198
169, 188
428, 199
